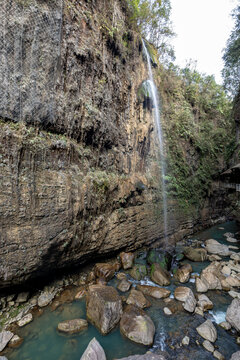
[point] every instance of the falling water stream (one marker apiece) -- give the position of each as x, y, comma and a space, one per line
157, 120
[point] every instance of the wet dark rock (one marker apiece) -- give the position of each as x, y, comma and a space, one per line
104, 307
137, 326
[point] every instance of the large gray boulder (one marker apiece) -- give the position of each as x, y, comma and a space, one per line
94, 351
214, 247
137, 326
208, 331
235, 356
233, 314
5, 337
104, 307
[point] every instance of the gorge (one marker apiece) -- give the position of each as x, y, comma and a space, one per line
83, 172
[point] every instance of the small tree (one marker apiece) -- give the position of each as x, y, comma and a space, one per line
153, 19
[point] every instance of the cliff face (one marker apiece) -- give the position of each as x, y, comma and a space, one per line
79, 177
74, 139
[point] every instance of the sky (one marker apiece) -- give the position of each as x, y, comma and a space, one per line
202, 28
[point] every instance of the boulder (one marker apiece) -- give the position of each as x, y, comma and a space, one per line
124, 285
235, 256
167, 311
186, 340
233, 281
186, 295
234, 294
159, 275
138, 271
208, 346
22, 297
235, 356
45, 299
181, 293
25, 320
15, 341
127, 260
72, 326
94, 351
154, 291
183, 273
218, 355
201, 285
214, 258
5, 337
231, 240
195, 254
214, 247
233, 314
190, 303
228, 234
204, 302
80, 294
3, 358
138, 299
105, 271
159, 257
137, 326
225, 325
121, 276
208, 331
104, 307
212, 280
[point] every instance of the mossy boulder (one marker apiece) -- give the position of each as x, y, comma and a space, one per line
138, 272
162, 258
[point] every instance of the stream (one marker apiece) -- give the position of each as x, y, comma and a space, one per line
43, 341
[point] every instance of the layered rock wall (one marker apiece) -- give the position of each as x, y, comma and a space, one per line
78, 174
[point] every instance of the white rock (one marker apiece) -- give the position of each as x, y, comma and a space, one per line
186, 340
45, 299
226, 270
231, 239
235, 356
234, 294
167, 311
25, 320
5, 337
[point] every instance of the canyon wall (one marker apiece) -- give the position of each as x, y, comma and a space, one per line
79, 174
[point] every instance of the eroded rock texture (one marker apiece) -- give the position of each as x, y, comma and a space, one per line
77, 178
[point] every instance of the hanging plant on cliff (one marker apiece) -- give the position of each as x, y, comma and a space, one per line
153, 19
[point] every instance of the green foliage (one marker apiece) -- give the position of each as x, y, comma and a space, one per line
231, 57
199, 132
153, 19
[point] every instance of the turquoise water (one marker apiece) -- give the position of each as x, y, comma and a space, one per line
43, 341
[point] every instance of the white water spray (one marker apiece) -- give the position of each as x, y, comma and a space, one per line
157, 119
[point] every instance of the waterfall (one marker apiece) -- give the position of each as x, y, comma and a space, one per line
157, 120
